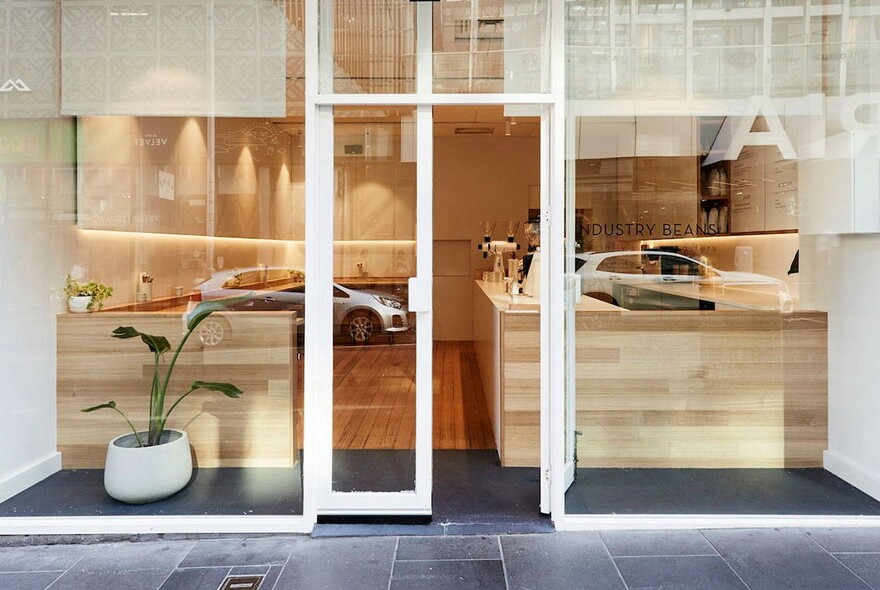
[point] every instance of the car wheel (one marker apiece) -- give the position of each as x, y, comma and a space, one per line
361, 326
211, 332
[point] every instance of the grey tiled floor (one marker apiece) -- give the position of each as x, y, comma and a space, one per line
765, 559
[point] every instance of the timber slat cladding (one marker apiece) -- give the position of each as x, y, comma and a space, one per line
675, 389
256, 430
702, 389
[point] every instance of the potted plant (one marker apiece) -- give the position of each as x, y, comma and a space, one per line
85, 297
149, 465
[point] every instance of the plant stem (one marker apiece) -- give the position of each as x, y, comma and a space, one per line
160, 396
153, 392
137, 437
174, 405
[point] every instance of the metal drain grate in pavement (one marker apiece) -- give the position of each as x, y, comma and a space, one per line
242, 583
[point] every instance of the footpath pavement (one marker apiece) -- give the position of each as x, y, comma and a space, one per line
766, 559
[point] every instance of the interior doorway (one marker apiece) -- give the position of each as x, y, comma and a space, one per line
486, 178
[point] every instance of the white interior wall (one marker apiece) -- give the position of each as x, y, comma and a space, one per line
476, 178
838, 274
36, 206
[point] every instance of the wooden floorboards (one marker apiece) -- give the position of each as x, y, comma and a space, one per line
374, 398
461, 418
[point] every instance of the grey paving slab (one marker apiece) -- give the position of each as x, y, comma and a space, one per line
339, 564
127, 557
54, 557
272, 577
448, 575
847, 540
562, 561
27, 580
198, 578
656, 543
118, 580
250, 570
500, 528
448, 548
233, 552
769, 559
864, 565
678, 573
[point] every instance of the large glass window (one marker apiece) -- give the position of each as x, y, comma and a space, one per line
711, 247
491, 46
178, 186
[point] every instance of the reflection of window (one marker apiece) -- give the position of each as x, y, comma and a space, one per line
626, 264
675, 265
339, 293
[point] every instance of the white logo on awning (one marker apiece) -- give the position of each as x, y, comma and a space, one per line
16, 84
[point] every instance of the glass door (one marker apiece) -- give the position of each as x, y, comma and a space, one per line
376, 421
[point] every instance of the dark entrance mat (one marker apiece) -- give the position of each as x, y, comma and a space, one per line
715, 491
472, 494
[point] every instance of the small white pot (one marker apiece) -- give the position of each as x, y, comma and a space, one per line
138, 475
79, 304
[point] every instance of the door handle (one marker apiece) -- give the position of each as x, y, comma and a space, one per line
668, 279
420, 294
269, 299
613, 278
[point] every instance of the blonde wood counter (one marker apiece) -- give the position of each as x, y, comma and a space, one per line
507, 346
739, 388
259, 356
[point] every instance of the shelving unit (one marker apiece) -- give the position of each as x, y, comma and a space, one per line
714, 193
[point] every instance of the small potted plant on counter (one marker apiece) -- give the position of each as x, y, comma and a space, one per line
149, 465
85, 297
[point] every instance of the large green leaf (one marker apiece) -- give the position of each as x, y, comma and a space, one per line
157, 344
206, 308
108, 406
227, 389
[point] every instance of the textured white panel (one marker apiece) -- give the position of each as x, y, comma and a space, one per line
197, 57
28, 64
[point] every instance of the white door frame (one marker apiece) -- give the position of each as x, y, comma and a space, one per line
318, 383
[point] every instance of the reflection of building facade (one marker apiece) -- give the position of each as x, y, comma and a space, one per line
676, 156
721, 49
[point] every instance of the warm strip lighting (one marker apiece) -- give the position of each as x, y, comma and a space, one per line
706, 240
193, 237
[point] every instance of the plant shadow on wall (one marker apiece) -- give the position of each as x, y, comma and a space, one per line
146, 466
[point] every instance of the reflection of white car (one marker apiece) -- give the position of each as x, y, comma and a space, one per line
359, 314
610, 276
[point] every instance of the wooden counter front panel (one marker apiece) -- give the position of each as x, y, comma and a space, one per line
707, 389
671, 389
521, 389
256, 430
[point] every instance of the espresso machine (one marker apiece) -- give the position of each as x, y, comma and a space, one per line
498, 248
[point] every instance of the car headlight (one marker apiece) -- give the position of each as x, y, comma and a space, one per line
389, 302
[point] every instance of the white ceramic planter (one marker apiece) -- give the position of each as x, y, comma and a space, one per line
79, 304
138, 475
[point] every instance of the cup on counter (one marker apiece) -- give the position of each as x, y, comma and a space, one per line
178, 291
141, 297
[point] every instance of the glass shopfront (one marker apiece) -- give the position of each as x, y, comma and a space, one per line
619, 254
721, 178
